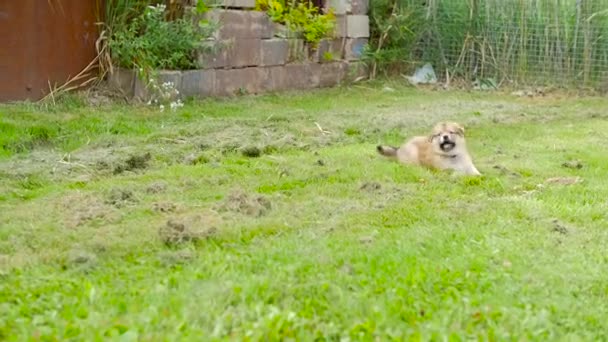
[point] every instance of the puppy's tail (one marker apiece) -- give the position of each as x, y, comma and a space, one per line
387, 151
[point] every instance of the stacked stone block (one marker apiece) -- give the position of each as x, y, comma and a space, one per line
256, 55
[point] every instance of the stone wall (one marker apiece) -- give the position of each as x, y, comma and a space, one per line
256, 55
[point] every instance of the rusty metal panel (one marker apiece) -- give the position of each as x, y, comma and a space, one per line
44, 41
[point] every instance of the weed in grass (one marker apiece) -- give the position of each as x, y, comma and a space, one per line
134, 162
189, 228
242, 203
251, 151
119, 197
156, 187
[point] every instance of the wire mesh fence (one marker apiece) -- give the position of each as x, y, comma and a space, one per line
560, 42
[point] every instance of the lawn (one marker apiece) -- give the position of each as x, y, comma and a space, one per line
272, 217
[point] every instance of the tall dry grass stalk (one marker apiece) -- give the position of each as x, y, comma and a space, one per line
525, 41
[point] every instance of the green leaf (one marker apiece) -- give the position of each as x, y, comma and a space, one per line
201, 7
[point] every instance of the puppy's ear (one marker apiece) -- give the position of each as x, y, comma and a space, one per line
460, 130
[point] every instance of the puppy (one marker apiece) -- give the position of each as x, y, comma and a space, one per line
445, 148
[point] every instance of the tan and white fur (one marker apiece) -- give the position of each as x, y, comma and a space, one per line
444, 149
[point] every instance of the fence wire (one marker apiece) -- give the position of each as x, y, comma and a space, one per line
560, 42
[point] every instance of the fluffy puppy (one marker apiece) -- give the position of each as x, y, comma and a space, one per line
444, 149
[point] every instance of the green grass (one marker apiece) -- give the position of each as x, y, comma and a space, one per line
317, 238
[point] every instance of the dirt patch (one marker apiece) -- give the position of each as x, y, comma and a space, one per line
370, 186
98, 98
193, 159
505, 171
242, 203
164, 207
156, 187
564, 180
188, 228
559, 227
251, 151
83, 208
77, 258
573, 164
133, 163
121, 198
366, 240
535, 92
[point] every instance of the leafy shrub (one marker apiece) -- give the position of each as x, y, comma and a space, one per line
149, 41
395, 28
302, 18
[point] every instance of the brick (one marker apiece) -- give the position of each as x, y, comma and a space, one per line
265, 83
357, 26
329, 47
233, 53
353, 49
292, 76
198, 83
261, 24
230, 82
298, 50
274, 52
281, 31
143, 92
330, 74
122, 80
213, 61
140, 91
278, 78
172, 76
299, 76
337, 48
232, 23
340, 26
314, 78
241, 24
234, 3
339, 6
244, 52
216, 59
359, 7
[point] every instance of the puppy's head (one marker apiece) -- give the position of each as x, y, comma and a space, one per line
447, 136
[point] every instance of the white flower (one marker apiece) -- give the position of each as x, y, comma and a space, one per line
162, 107
176, 104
